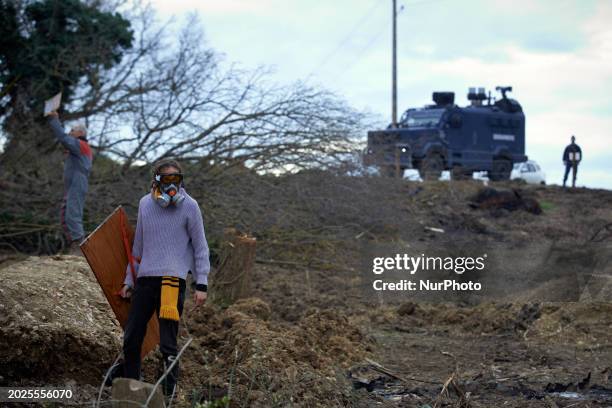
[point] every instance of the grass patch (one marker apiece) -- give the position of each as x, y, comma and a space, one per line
547, 205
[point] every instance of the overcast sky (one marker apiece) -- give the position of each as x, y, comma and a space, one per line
557, 55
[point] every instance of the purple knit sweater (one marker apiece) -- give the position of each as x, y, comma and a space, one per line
170, 241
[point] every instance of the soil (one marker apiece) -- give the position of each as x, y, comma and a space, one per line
313, 335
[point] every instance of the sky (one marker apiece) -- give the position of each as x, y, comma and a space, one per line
557, 56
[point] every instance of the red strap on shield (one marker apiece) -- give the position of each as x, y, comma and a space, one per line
126, 243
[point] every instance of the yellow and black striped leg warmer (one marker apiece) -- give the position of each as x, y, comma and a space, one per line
169, 298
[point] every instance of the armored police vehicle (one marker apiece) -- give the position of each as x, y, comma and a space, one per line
488, 135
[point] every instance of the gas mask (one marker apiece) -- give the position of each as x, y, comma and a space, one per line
168, 186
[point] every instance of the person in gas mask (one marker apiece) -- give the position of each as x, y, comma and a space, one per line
572, 156
170, 242
77, 166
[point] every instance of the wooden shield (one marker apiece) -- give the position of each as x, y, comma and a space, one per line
106, 255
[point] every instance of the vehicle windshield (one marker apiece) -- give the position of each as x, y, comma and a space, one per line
422, 118
517, 165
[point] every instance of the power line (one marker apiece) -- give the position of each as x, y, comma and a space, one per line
347, 38
364, 50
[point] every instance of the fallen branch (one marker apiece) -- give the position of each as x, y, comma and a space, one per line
453, 382
381, 369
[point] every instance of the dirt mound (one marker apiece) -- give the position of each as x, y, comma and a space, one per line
57, 328
583, 324
271, 363
492, 317
511, 200
332, 336
55, 323
252, 307
484, 318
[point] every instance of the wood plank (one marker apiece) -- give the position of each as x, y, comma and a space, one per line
106, 255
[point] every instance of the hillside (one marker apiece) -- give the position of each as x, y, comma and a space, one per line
314, 334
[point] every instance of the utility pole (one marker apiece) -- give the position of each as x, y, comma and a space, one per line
394, 69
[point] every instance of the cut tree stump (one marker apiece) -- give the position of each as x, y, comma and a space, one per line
232, 279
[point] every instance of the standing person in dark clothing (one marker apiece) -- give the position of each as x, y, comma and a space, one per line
76, 173
572, 155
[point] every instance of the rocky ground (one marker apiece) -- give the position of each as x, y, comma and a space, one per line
313, 334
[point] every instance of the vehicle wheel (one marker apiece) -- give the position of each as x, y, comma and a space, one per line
460, 173
389, 171
501, 170
431, 167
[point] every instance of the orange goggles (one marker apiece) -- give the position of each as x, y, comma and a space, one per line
174, 178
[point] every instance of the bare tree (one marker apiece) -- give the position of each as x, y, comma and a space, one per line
176, 100
170, 97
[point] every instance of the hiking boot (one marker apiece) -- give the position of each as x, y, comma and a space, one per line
116, 371
74, 248
169, 382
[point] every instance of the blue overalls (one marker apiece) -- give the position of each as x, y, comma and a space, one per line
76, 172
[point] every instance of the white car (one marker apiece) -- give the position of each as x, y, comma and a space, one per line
529, 171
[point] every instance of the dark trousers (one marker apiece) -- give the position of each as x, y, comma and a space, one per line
570, 166
145, 301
